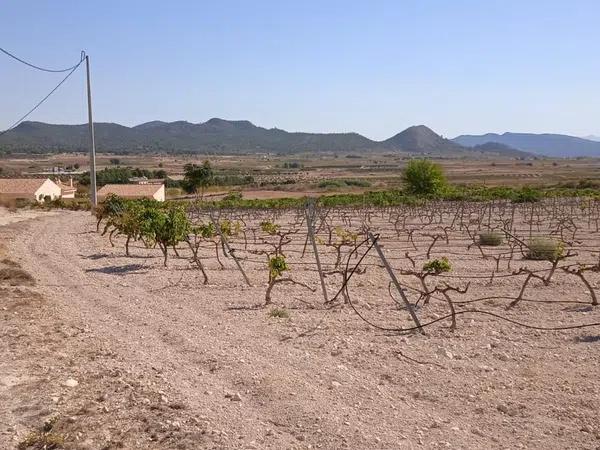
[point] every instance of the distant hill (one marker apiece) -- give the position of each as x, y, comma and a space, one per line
555, 145
502, 149
219, 136
420, 139
591, 137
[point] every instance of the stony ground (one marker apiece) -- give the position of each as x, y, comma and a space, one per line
100, 351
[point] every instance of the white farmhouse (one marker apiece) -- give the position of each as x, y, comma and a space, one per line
38, 189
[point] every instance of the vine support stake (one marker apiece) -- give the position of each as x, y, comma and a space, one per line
395, 281
310, 214
229, 250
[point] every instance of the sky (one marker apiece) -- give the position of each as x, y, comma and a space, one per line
373, 67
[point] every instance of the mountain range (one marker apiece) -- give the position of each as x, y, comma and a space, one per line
219, 136
552, 145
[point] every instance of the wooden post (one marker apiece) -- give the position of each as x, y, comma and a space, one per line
310, 213
224, 241
395, 281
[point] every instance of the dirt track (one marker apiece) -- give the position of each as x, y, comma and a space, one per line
164, 362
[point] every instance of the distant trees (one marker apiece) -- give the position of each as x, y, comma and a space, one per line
197, 178
121, 175
423, 177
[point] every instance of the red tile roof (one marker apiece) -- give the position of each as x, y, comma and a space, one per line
130, 190
20, 185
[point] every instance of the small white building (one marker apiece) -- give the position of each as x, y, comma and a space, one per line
133, 191
38, 189
67, 190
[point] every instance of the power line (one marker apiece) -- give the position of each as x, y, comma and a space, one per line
42, 68
73, 69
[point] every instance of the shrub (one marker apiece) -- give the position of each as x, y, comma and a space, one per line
527, 195
279, 313
437, 266
233, 196
423, 177
544, 249
277, 265
491, 238
269, 227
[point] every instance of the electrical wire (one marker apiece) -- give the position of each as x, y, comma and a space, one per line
73, 69
43, 69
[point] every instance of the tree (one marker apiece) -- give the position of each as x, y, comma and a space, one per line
423, 177
197, 177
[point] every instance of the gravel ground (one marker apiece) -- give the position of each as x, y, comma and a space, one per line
127, 354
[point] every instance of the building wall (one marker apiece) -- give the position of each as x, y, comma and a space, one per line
68, 194
48, 189
160, 194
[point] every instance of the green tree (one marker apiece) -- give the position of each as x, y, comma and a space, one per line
423, 177
197, 177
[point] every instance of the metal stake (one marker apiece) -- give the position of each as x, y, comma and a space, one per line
395, 281
224, 241
310, 212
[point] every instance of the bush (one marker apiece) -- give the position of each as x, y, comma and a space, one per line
437, 266
491, 238
279, 313
423, 177
544, 249
277, 265
527, 195
233, 196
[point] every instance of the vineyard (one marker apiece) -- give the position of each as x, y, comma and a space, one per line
398, 268
441, 324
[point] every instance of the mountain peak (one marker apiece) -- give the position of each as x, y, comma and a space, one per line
421, 139
240, 124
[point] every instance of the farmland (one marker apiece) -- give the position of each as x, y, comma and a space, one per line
164, 360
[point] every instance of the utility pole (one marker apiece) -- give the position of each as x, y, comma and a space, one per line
93, 196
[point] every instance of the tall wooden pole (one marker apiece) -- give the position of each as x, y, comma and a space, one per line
93, 196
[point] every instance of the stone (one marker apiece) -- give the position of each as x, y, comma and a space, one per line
445, 353
236, 397
71, 382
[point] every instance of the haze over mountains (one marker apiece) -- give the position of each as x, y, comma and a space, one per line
219, 136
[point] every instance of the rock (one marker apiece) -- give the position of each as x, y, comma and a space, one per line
236, 397
503, 357
505, 409
71, 382
336, 352
445, 353
335, 384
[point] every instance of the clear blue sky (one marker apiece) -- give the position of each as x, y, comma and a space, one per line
375, 67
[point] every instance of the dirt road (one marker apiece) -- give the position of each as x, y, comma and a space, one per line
127, 354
